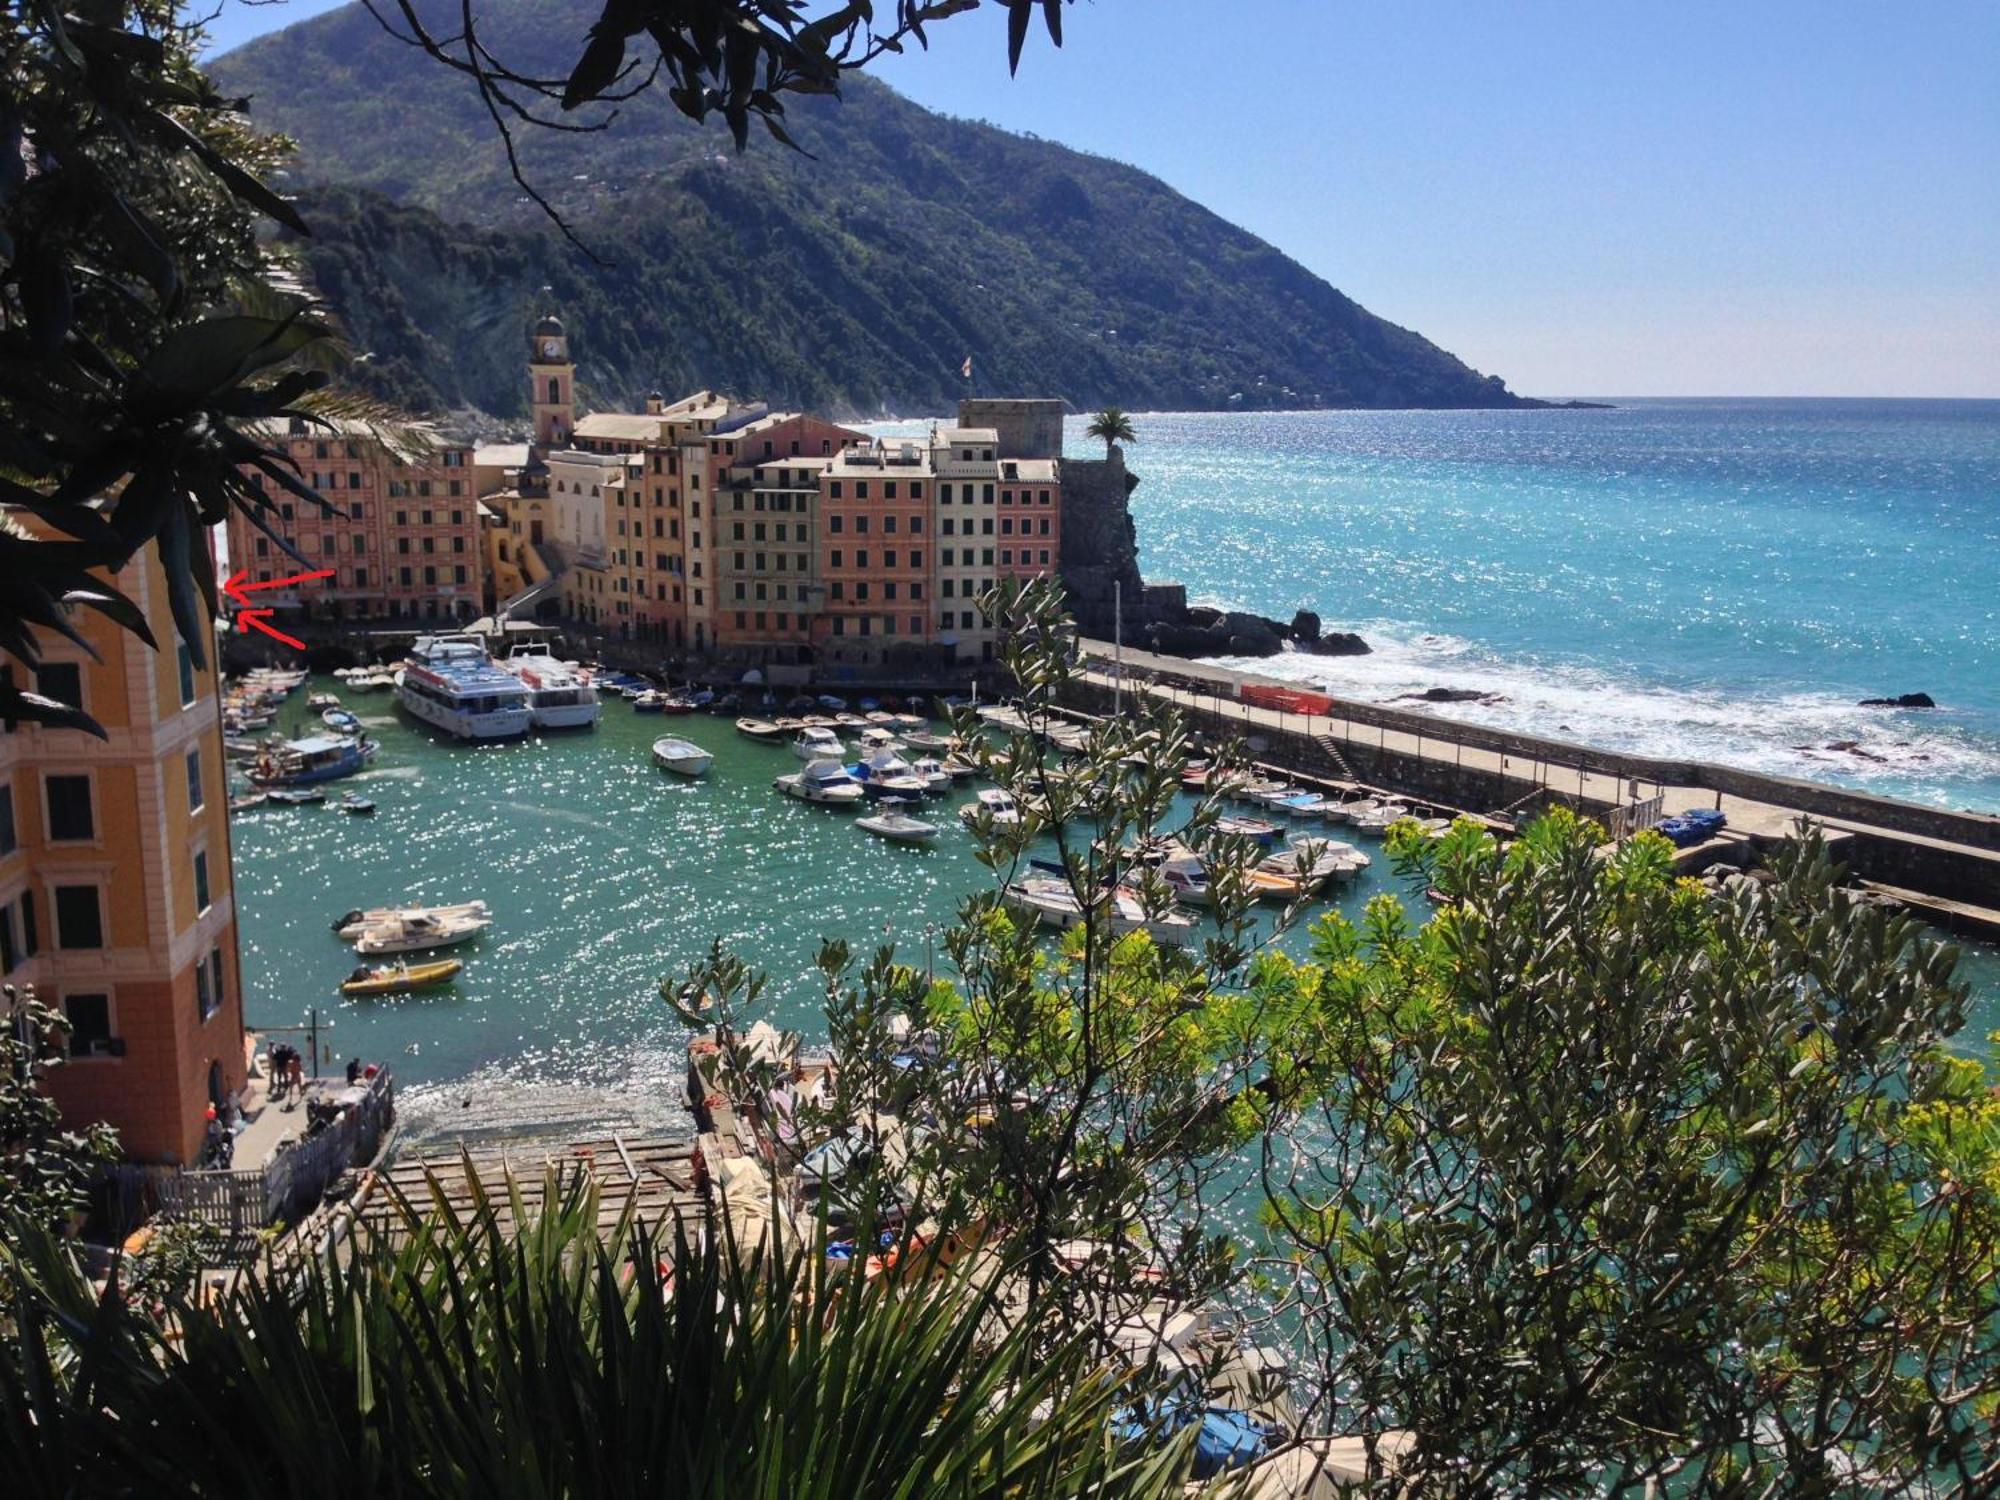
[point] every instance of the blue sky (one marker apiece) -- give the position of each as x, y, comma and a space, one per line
1789, 197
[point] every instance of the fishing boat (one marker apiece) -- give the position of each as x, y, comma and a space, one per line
898, 828
451, 684
823, 781
295, 763
419, 934
295, 796
560, 693
340, 721
993, 803
763, 731
651, 701
682, 757
321, 701
373, 680
816, 743
400, 978
350, 925
355, 806
248, 801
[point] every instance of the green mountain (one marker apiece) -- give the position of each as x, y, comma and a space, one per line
854, 279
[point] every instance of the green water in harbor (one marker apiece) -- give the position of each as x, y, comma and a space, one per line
604, 875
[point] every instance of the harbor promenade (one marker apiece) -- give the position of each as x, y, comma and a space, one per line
1944, 863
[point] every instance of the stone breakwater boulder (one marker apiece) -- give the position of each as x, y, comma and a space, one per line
1906, 700
1449, 695
1201, 631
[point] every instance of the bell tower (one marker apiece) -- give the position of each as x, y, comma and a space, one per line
551, 384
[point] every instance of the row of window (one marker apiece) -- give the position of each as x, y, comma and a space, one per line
914, 489
889, 556
757, 530
357, 578
836, 591
836, 523
864, 624
451, 458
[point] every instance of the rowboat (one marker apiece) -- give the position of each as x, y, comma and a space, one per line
1247, 828
762, 730
352, 924
400, 978
355, 806
898, 828
340, 721
682, 757
248, 801
295, 797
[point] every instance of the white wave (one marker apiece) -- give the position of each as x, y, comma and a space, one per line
1920, 753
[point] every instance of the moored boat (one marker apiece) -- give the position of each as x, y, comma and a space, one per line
994, 803
340, 721
248, 801
816, 743
351, 925
561, 694
898, 828
825, 782
295, 763
451, 684
295, 796
355, 806
764, 731
419, 934
400, 978
682, 757
1247, 828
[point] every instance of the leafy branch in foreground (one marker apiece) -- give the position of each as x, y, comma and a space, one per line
733, 58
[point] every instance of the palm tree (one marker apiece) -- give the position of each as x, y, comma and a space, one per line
1113, 426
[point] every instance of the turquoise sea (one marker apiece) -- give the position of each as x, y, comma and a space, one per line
1722, 579
1711, 578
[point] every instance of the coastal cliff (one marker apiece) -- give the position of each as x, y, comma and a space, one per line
853, 281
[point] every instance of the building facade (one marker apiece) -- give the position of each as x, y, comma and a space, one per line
116, 889
401, 530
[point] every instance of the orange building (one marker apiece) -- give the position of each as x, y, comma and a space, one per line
876, 508
116, 891
403, 533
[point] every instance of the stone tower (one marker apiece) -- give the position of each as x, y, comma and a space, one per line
551, 384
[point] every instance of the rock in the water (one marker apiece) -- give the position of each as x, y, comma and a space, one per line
1448, 695
1305, 627
1339, 643
1905, 700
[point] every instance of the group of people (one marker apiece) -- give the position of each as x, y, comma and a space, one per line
288, 1073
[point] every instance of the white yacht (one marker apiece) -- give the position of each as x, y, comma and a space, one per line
560, 693
451, 684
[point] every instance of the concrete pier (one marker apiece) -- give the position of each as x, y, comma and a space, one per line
1950, 860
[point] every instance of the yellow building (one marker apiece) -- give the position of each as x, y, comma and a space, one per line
116, 882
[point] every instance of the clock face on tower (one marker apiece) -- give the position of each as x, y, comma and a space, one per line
551, 348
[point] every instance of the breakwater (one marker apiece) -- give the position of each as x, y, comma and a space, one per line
1938, 852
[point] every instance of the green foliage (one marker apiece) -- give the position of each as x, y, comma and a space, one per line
45, 1171
1111, 426
1616, 1182
519, 1352
854, 280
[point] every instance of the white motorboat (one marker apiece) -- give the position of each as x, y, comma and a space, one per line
825, 782
682, 757
816, 743
320, 702
1052, 903
995, 803
418, 934
1320, 861
931, 772
898, 828
561, 694
1378, 818
885, 775
876, 740
354, 923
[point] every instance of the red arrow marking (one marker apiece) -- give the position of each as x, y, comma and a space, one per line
255, 619
239, 588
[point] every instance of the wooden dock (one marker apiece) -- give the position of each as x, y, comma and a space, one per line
655, 1176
